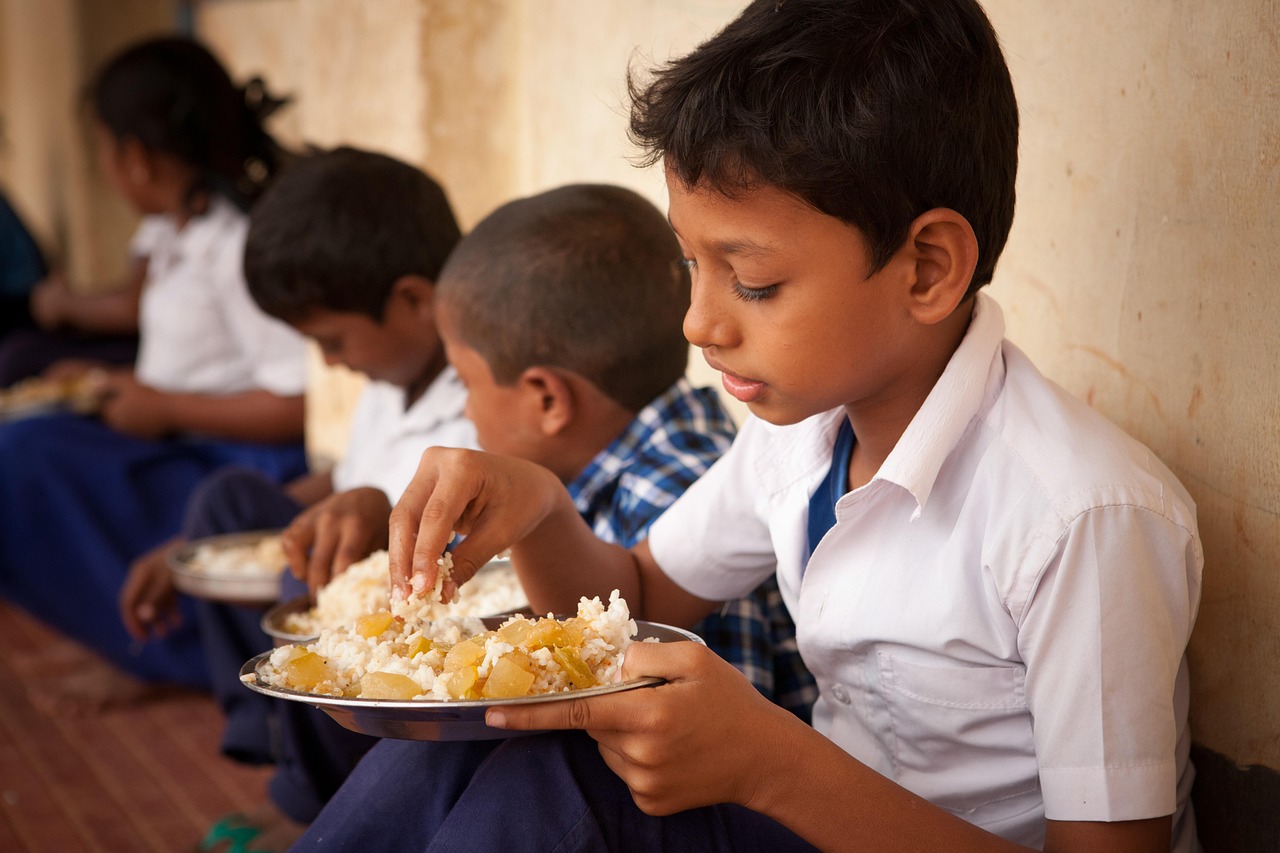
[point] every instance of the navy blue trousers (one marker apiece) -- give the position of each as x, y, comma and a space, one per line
312, 753
79, 501
548, 792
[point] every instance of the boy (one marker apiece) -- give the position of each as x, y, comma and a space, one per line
561, 313
345, 247
993, 586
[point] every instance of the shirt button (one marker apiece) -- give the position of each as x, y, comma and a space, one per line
841, 694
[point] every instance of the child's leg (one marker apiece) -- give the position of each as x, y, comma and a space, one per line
235, 500
542, 792
78, 501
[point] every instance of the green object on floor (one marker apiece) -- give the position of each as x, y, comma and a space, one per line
237, 837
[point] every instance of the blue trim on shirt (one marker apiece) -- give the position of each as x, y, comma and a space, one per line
822, 506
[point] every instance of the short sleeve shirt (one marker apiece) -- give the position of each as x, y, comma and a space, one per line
387, 440
998, 620
199, 329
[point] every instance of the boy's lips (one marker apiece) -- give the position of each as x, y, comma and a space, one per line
745, 390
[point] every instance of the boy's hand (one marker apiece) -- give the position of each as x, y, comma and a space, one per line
134, 408
148, 600
494, 501
327, 538
684, 744
49, 299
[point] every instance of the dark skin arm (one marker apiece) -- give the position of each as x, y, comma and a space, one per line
258, 415
115, 312
706, 736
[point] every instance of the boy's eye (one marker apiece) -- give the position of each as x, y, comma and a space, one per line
753, 294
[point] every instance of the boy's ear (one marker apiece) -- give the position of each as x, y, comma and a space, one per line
944, 250
415, 293
553, 398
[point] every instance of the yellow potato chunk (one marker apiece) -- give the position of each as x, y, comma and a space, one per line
467, 653
418, 646
507, 680
461, 684
306, 671
388, 685
515, 632
579, 673
374, 624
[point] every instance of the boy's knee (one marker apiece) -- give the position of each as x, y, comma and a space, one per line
226, 501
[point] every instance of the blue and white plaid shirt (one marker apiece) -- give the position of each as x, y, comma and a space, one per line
670, 444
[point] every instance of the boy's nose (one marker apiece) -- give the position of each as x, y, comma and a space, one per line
703, 323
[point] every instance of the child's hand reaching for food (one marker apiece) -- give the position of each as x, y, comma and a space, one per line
327, 538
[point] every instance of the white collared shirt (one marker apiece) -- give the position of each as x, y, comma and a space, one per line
200, 331
998, 620
386, 440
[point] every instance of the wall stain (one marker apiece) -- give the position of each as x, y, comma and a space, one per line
1242, 530
1122, 371
1197, 396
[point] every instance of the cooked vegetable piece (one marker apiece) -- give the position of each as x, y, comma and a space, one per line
388, 685
418, 646
579, 673
507, 680
515, 632
373, 624
462, 683
467, 653
306, 671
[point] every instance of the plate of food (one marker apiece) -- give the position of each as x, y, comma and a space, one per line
365, 587
433, 680
238, 568
41, 396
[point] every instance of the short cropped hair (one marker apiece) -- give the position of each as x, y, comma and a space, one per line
871, 111
587, 278
338, 228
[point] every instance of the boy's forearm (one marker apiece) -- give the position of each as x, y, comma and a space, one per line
310, 489
251, 416
821, 793
563, 560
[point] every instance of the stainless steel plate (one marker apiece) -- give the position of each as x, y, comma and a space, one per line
428, 719
229, 587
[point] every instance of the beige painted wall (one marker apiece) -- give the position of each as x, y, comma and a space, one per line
1139, 273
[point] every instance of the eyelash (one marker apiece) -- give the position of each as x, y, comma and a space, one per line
746, 294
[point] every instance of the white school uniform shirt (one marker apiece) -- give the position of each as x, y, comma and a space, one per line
387, 440
199, 329
998, 620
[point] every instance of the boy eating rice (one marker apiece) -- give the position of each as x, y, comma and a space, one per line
993, 586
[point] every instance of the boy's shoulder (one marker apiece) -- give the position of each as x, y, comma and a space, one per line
1069, 453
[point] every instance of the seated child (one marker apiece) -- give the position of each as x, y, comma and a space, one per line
993, 585
561, 312
21, 267
217, 381
345, 247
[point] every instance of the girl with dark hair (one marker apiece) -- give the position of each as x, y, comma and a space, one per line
216, 381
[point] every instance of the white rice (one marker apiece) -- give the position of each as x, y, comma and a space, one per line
607, 631
365, 587
264, 557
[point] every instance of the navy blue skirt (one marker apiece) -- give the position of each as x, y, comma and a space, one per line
79, 501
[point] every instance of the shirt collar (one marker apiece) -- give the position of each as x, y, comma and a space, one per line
956, 400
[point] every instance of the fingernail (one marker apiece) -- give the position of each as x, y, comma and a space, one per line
397, 594
496, 719
419, 584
